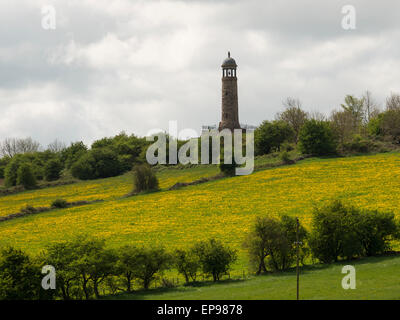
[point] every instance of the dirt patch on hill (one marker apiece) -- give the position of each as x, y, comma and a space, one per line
28, 210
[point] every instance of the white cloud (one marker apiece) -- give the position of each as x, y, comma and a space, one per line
135, 65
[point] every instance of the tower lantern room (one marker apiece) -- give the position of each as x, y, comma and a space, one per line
229, 67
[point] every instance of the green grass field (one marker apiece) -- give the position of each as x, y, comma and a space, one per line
224, 209
376, 278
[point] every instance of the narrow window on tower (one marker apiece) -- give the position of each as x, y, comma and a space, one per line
229, 72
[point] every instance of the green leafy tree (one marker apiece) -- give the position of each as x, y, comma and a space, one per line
272, 243
187, 263
270, 135
215, 258
317, 138
52, 170
25, 176
150, 262
20, 277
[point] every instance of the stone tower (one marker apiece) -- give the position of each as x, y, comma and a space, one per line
230, 112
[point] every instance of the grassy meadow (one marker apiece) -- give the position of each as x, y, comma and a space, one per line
377, 278
224, 209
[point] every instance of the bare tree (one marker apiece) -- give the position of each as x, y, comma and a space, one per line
370, 106
342, 124
293, 115
316, 115
12, 146
393, 102
56, 146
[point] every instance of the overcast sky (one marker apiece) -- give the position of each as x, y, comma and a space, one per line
134, 65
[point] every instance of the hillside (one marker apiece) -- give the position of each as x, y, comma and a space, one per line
224, 209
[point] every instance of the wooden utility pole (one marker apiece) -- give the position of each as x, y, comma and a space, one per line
298, 254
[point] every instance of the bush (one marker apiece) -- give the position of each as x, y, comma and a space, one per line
285, 157
19, 276
59, 204
11, 172
215, 259
53, 169
358, 144
316, 138
97, 163
25, 176
269, 136
144, 179
272, 243
340, 231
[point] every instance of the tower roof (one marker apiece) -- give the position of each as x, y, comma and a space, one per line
229, 62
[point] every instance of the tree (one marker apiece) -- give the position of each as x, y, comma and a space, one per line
316, 138
25, 176
52, 170
355, 107
293, 115
215, 258
187, 264
343, 125
262, 241
270, 135
272, 242
144, 179
19, 276
127, 264
56, 146
11, 172
393, 102
370, 106
97, 163
71, 154
12, 146
93, 263
343, 231
390, 124
61, 256
149, 263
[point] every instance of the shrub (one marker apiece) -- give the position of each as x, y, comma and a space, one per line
358, 144
215, 259
378, 229
11, 172
272, 243
269, 136
97, 163
19, 276
285, 157
25, 176
83, 168
144, 179
316, 138
59, 204
187, 264
340, 231
228, 169
53, 169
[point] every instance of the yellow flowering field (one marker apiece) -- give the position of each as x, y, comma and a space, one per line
224, 209
111, 188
